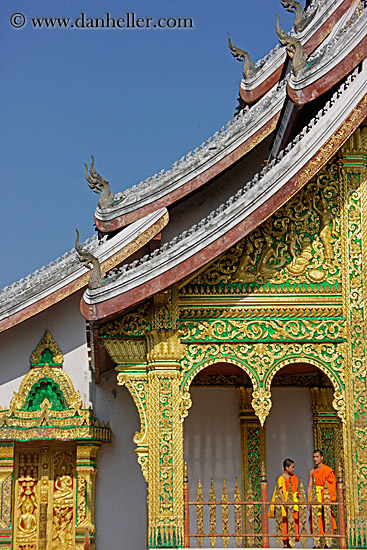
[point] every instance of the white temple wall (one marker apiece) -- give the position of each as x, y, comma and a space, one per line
121, 490
68, 328
212, 446
289, 434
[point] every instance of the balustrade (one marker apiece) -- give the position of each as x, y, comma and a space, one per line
221, 521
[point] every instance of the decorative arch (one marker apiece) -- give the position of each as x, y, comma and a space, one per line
326, 368
261, 361
198, 367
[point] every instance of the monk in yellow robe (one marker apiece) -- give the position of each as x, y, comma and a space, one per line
321, 473
288, 476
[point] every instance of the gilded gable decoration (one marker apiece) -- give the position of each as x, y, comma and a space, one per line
48, 407
47, 351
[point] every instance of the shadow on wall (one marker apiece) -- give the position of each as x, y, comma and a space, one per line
121, 492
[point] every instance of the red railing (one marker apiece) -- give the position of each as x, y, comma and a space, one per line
242, 517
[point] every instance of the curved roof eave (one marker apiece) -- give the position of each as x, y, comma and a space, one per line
258, 200
67, 275
237, 139
326, 16
329, 66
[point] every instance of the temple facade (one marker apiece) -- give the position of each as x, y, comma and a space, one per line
153, 379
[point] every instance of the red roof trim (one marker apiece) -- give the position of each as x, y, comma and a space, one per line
193, 184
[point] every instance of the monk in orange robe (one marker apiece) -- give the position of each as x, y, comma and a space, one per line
321, 473
283, 483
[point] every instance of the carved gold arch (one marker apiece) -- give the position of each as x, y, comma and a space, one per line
197, 368
261, 361
338, 385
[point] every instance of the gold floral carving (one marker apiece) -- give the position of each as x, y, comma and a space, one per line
260, 329
296, 249
134, 323
164, 345
6, 484
47, 343
86, 471
166, 468
354, 190
130, 351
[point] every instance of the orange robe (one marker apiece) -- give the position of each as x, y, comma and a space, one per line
284, 487
320, 476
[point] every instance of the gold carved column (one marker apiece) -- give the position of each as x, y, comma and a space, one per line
353, 178
326, 426
165, 439
86, 472
6, 484
253, 450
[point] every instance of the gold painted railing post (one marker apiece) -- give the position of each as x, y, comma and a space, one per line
290, 515
186, 507
250, 518
212, 515
315, 517
341, 512
6, 486
264, 507
302, 515
327, 516
200, 515
225, 519
278, 508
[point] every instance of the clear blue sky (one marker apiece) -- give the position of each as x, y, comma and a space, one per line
136, 99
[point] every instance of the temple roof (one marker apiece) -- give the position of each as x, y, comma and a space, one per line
320, 18
241, 175
265, 89
279, 180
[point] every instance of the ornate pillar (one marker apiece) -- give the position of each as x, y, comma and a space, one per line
86, 472
165, 439
6, 485
253, 450
353, 163
326, 426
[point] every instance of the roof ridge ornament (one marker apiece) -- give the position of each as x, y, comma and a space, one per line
99, 185
293, 48
301, 19
97, 275
241, 55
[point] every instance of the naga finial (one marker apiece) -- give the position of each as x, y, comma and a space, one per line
91, 262
241, 55
301, 18
98, 185
294, 49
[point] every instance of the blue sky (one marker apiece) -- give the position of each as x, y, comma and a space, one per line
137, 99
